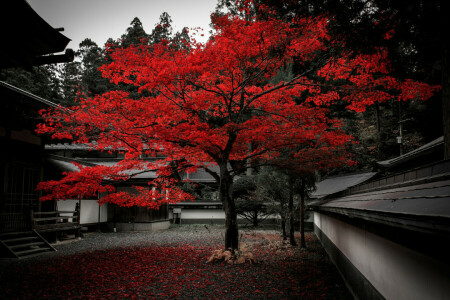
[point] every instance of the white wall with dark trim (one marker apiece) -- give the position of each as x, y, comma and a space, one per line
89, 210
395, 271
194, 214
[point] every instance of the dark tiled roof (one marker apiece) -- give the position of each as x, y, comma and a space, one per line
431, 199
19, 94
415, 200
64, 164
68, 146
334, 185
410, 192
26, 37
415, 154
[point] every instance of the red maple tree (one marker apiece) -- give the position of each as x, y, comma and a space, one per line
213, 104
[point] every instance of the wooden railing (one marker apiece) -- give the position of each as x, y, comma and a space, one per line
54, 221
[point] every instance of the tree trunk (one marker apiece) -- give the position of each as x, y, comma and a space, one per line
283, 220
380, 142
226, 196
400, 127
291, 213
302, 215
283, 227
255, 218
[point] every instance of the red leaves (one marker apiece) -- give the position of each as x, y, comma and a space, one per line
150, 198
210, 102
365, 80
87, 182
178, 271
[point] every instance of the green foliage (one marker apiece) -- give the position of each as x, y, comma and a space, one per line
201, 192
251, 203
91, 57
284, 74
162, 30
61, 83
135, 34
267, 193
70, 80
181, 39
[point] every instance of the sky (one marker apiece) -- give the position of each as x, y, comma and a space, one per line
103, 19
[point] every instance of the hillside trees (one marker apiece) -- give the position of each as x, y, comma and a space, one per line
414, 34
41, 81
69, 76
163, 30
91, 58
280, 191
134, 35
212, 105
62, 83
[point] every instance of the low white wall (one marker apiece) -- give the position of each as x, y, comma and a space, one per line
89, 210
193, 214
395, 271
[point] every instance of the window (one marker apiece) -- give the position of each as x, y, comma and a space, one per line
19, 195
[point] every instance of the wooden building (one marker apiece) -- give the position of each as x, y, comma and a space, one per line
27, 40
21, 156
59, 158
389, 235
205, 210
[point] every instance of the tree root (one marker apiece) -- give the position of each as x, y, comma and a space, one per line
232, 257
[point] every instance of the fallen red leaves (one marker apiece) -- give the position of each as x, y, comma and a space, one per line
180, 272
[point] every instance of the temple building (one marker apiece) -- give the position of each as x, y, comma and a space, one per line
388, 233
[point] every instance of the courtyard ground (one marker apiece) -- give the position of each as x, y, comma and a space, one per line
171, 264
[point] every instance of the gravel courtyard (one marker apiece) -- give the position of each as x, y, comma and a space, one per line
171, 264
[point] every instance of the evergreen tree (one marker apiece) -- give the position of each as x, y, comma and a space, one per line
41, 81
181, 40
163, 30
135, 34
70, 78
92, 58
251, 202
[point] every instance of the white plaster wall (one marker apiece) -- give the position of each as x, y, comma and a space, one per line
195, 214
202, 214
395, 271
89, 210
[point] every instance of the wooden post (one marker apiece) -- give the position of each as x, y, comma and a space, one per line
302, 213
78, 214
291, 210
99, 216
